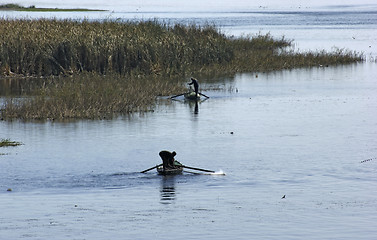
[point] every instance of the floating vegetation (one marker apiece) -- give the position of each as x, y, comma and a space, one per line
9, 143
113, 67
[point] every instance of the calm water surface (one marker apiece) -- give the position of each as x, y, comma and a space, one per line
300, 133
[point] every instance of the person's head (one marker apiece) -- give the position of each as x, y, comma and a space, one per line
174, 153
193, 79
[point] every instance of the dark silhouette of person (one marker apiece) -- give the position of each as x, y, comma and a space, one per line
196, 85
167, 159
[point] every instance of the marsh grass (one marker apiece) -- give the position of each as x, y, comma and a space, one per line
89, 96
264, 53
52, 47
107, 68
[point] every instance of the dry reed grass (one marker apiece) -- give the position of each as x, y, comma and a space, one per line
88, 96
52, 47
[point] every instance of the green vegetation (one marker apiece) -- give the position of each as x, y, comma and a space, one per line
112, 67
9, 143
16, 7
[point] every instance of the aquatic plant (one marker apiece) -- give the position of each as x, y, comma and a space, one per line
9, 143
90, 96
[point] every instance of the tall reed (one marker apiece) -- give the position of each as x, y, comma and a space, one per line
53, 47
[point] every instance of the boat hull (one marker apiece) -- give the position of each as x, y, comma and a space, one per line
192, 96
169, 171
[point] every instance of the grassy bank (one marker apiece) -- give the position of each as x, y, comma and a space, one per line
16, 7
119, 67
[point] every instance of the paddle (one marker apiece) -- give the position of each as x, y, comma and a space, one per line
203, 94
198, 169
177, 95
151, 168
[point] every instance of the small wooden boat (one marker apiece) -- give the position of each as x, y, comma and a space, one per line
171, 171
192, 96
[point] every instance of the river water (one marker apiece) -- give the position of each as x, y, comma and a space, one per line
304, 134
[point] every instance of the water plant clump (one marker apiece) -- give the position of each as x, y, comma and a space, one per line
8, 143
89, 96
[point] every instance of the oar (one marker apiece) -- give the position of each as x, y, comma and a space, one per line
178, 95
198, 169
151, 168
203, 94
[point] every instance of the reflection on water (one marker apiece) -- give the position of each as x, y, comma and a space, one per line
194, 105
167, 189
19, 86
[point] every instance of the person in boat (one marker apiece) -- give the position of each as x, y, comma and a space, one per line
196, 85
167, 159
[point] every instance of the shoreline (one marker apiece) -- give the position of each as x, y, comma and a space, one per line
16, 7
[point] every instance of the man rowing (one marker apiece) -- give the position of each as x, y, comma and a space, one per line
167, 159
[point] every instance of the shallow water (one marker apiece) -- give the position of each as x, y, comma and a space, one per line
300, 133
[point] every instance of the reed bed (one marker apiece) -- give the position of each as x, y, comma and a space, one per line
264, 53
88, 96
110, 67
53, 47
